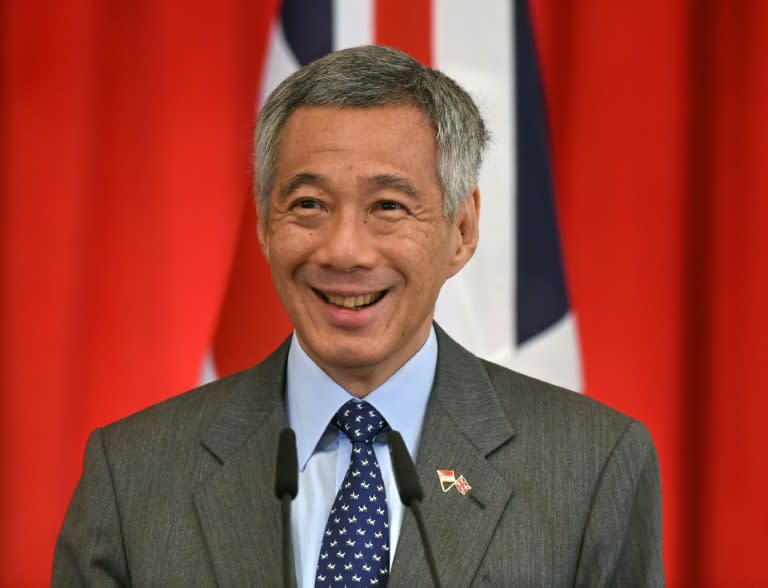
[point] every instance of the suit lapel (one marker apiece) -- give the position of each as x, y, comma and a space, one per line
236, 505
463, 425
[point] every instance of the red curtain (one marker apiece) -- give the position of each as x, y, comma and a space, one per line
659, 132
125, 146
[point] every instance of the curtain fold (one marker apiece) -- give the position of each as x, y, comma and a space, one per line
125, 141
659, 135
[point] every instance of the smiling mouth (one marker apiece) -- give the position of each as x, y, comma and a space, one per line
351, 302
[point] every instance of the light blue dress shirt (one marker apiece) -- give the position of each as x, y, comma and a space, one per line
323, 452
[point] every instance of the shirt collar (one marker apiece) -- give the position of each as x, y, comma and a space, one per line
313, 397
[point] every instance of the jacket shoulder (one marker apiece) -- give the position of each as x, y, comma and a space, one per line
550, 413
187, 413
190, 414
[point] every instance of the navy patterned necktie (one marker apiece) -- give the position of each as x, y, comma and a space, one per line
355, 549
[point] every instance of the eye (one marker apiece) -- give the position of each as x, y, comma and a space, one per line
307, 204
390, 205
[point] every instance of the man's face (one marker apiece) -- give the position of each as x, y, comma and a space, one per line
356, 237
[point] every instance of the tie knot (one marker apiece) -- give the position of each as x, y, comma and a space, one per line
359, 421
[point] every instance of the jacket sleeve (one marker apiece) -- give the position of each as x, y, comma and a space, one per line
622, 538
89, 549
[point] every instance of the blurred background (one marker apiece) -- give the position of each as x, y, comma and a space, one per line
624, 247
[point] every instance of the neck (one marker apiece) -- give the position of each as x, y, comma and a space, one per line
361, 380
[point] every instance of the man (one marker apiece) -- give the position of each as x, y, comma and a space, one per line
366, 167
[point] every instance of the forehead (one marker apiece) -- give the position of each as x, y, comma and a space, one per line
397, 134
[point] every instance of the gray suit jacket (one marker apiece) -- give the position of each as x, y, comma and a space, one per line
565, 491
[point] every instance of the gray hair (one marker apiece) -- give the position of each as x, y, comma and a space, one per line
378, 76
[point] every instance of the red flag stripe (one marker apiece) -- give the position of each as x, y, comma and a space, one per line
406, 25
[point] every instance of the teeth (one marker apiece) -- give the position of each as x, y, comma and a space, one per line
353, 301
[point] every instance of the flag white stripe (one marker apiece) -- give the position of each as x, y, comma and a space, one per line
473, 45
353, 23
553, 355
280, 62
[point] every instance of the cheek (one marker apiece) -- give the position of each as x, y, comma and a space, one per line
287, 248
430, 250
423, 256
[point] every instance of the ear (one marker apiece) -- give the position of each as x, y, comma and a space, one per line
465, 232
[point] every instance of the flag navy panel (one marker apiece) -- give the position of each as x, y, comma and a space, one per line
541, 298
308, 28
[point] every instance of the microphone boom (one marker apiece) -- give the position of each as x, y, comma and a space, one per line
411, 494
286, 488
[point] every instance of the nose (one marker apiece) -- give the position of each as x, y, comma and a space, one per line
346, 243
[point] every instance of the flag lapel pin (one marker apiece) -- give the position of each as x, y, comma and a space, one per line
449, 480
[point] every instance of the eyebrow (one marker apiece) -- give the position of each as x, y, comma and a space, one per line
299, 180
393, 182
374, 183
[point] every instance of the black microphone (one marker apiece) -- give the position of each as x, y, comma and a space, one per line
286, 488
411, 493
